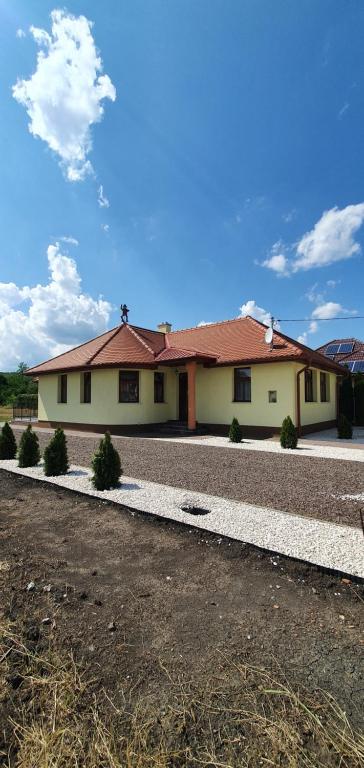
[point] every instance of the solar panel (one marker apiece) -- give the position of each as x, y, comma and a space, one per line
358, 366
349, 364
346, 347
332, 349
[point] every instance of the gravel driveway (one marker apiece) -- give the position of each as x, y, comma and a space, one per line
294, 484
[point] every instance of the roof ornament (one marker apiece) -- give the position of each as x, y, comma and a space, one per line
124, 313
268, 338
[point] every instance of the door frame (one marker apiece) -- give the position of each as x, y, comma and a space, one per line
183, 401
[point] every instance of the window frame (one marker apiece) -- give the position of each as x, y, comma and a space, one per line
128, 374
159, 375
310, 388
274, 394
246, 379
85, 374
62, 389
324, 384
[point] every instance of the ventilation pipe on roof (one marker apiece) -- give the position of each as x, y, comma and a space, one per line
164, 327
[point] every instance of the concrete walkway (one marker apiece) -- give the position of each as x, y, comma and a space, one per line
337, 547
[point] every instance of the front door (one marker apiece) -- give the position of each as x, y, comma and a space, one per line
183, 397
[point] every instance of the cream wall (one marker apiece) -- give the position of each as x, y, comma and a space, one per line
313, 413
105, 407
215, 393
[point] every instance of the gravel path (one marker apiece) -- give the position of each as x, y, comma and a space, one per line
337, 547
290, 483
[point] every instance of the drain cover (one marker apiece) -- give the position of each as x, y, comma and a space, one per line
192, 510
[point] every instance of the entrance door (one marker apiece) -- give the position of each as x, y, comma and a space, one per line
183, 397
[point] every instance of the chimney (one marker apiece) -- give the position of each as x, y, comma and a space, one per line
164, 327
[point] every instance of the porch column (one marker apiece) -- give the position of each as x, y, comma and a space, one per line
191, 374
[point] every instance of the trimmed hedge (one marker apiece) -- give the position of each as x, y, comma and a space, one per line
29, 453
344, 428
235, 433
55, 455
288, 436
7, 442
106, 465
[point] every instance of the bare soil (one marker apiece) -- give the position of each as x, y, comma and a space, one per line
293, 484
143, 602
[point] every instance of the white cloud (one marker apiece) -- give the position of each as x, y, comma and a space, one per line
63, 96
102, 199
105, 227
69, 240
20, 33
343, 110
44, 320
331, 309
252, 309
332, 239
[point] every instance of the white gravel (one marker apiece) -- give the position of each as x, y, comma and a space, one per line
326, 544
273, 446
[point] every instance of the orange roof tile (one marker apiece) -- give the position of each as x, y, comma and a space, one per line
239, 341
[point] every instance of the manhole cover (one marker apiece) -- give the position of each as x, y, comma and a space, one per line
192, 510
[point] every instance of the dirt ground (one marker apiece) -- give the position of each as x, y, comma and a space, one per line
255, 477
183, 603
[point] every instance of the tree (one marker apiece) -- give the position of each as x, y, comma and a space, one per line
288, 436
346, 398
29, 453
55, 455
344, 428
22, 368
106, 465
359, 399
7, 442
235, 433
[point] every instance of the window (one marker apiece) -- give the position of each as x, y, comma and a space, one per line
310, 381
159, 387
272, 396
86, 387
62, 388
128, 386
324, 388
242, 385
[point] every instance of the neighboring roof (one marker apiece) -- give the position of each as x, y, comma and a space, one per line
239, 341
357, 352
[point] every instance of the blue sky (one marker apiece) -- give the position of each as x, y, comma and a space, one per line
229, 128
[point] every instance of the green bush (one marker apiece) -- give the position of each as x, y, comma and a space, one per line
55, 455
346, 398
359, 399
235, 433
29, 453
7, 442
106, 465
344, 428
288, 435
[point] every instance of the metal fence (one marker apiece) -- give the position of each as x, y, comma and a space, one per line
25, 413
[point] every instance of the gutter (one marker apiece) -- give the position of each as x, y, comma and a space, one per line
298, 398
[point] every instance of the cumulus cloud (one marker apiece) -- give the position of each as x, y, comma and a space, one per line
44, 320
332, 239
331, 309
64, 96
20, 33
252, 309
102, 199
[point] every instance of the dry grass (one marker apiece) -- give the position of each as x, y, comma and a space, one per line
242, 717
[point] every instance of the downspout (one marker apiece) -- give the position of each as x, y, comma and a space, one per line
298, 399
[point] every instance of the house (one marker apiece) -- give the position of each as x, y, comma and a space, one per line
347, 352
132, 379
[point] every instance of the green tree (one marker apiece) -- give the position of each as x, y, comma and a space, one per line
346, 398
235, 433
288, 436
29, 453
55, 455
106, 465
359, 399
7, 442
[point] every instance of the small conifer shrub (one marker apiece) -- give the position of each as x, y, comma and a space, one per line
106, 465
288, 435
55, 455
344, 428
29, 453
7, 442
235, 433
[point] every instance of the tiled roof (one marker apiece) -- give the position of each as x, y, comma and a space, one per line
356, 354
239, 341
